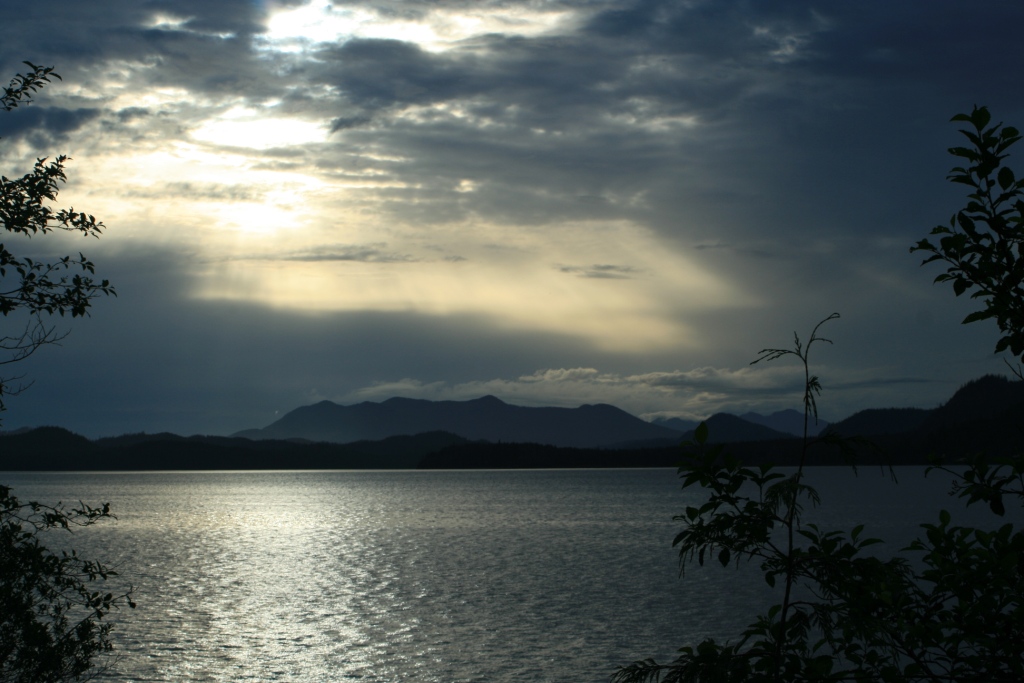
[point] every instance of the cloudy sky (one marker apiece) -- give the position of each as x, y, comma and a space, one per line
556, 202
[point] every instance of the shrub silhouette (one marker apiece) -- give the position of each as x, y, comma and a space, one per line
948, 606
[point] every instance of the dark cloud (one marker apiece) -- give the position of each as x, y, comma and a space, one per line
132, 113
241, 17
346, 122
741, 249
385, 73
205, 47
637, 19
366, 253
197, 191
883, 382
48, 123
605, 271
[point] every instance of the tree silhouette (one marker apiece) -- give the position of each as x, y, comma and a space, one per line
51, 607
32, 289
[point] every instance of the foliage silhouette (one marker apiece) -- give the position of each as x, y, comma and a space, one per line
948, 607
52, 610
983, 244
984, 247
52, 624
29, 286
953, 614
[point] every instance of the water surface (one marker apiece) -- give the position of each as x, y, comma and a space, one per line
426, 576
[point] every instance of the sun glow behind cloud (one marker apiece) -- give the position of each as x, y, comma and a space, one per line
186, 195
243, 127
281, 230
519, 285
294, 237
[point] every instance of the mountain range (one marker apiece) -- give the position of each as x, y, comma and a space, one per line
982, 413
482, 419
985, 415
783, 423
490, 419
990, 400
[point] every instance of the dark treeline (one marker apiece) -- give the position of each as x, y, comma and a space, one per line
55, 449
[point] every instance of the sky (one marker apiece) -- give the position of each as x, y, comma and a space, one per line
553, 202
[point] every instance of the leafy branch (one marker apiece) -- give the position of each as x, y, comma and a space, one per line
983, 244
23, 86
51, 615
64, 286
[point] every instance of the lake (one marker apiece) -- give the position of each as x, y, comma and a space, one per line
445, 576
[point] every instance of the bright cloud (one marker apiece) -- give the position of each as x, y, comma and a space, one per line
252, 129
434, 29
692, 394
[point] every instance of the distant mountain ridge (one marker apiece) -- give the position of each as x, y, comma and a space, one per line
728, 428
679, 424
984, 416
603, 426
787, 421
483, 419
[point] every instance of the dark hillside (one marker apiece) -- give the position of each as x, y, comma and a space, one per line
45, 448
789, 422
881, 421
982, 399
677, 423
727, 428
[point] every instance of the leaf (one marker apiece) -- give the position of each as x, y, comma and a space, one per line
700, 435
1006, 178
964, 152
966, 222
980, 117
976, 316
996, 504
